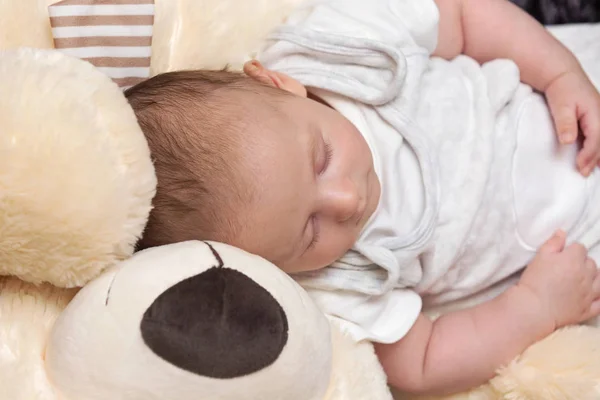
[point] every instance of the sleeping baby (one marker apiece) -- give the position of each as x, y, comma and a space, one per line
390, 153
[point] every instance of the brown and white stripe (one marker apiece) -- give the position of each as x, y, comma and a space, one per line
113, 35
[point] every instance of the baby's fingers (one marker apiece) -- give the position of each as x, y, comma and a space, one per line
589, 156
555, 244
565, 121
578, 254
594, 309
591, 266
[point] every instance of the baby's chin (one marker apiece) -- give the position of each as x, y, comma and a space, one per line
339, 253
314, 265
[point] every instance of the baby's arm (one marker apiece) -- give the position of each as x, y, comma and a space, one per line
491, 29
464, 349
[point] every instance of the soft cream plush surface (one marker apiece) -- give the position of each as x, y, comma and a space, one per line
75, 187
27, 314
212, 33
358, 372
25, 23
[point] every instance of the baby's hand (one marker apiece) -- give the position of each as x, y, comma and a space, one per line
564, 281
575, 106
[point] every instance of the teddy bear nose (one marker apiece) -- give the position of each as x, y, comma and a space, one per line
218, 324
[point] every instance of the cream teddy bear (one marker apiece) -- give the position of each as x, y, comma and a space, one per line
76, 184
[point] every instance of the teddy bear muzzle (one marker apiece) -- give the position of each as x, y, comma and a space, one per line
192, 320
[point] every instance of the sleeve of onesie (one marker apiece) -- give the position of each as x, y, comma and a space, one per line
376, 49
381, 319
404, 23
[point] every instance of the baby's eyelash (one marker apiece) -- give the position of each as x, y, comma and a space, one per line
328, 155
316, 235
314, 241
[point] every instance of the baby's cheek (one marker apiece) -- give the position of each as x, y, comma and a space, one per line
323, 256
334, 243
344, 240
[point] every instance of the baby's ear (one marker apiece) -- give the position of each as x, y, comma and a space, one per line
256, 70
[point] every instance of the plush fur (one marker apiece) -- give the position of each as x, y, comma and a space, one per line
61, 224
30, 312
356, 371
25, 23
212, 34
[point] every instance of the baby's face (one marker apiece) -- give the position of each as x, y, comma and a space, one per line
315, 182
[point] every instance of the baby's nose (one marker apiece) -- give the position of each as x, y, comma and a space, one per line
341, 200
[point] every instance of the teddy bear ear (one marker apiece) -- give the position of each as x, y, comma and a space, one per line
77, 179
192, 320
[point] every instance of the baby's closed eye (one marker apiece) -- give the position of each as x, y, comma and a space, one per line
327, 156
313, 227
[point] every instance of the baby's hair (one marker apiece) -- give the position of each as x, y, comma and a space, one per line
194, 122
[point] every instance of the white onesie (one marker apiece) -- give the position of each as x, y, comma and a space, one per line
473, 180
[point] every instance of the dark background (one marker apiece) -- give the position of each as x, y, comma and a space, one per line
553, 12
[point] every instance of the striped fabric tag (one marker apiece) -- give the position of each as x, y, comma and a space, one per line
113, 35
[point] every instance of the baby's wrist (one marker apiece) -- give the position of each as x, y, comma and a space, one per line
533, 309
574, 70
